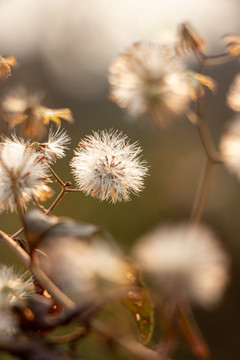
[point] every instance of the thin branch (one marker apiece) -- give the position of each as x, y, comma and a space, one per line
133, 347
55, 175
52, 289
76, 334
57, 200
211, 60
202, 193
23, 256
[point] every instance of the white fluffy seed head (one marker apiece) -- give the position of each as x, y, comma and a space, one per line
185, 262
55, 147
148, 78
107, 166
22, 174
230, 147
14, 287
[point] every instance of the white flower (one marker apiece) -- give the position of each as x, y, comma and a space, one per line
108, 167
230, 147
233, 96
14, 287
22, 174
148, 78
185, 262
55, 147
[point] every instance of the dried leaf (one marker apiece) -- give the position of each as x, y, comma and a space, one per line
140, 305
39, 227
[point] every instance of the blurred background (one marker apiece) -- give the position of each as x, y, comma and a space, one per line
64, 49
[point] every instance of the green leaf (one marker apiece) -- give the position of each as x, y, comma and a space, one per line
139, 303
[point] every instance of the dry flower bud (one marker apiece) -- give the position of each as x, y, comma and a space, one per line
27, 111
189, 40
5, 65
233, 43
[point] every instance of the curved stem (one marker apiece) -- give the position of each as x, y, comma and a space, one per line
191, 331
51, 288
202, 193
23, 256
220, 59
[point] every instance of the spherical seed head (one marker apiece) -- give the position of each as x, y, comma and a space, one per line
14, 287
147, 78
55, 147
230, 147
185, 263
105, 165
22, 174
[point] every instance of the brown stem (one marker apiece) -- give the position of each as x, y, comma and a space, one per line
23, 256
131, 346
57, 200
73, 336
191, 331
55, 175
213, 157
51, 288
202, 193
220, 59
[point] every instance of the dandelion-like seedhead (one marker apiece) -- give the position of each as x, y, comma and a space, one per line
185, 262
107, 166
147, 78
14, 287
189, 40
22, 174
55, 147
230, 147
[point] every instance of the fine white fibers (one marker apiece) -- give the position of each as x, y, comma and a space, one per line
230, 147
148, 78
56, 145
22, 174
14, 287
107, 166
185, 262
